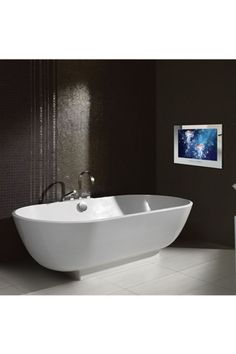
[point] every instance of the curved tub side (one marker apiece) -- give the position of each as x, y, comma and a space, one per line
79, 246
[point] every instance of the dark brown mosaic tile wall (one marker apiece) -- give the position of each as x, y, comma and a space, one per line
27, 142
15, 158
106, 124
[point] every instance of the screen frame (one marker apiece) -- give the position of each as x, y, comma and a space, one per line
198, 162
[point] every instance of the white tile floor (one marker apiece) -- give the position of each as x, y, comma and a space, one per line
174, 271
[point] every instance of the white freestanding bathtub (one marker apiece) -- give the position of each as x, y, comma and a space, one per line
60, 237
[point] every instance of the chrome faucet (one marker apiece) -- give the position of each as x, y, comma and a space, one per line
64, 195
87, 194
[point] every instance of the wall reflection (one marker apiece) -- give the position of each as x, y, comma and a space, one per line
73, 132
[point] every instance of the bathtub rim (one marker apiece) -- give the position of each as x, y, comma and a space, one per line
189, 203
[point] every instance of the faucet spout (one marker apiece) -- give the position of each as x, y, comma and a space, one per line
85, 194
44, 193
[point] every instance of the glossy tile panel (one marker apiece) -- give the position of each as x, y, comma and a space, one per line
106, 123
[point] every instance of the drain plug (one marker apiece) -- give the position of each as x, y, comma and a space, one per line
82, 207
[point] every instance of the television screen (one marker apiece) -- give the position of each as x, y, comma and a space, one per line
199, 144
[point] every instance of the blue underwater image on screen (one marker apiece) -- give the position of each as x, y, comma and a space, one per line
198, 144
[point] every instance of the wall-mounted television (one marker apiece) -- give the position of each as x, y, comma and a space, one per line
198, 145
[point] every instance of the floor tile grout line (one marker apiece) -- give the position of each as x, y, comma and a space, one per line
152, 262
10, 284
143, 282
155, 280
192, 266
208, 281
216, 286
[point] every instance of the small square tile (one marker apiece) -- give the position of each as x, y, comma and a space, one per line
212, 270
137, 275
181, 259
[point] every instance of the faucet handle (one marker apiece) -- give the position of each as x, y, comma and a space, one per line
70, 195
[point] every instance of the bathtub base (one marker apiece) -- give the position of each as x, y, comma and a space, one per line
75, 275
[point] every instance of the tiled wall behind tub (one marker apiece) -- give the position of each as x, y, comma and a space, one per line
27, 141
106, 123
